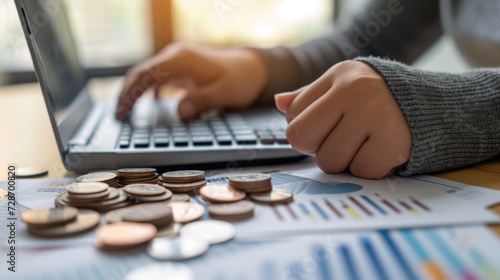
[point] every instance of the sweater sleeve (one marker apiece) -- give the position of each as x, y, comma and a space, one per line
396, 29
453, 118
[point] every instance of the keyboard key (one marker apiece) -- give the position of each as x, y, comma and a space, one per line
181, 141
141, 142
224, 140
281, 138
202, 140
162, 141
124, 144
246, 139
267, 139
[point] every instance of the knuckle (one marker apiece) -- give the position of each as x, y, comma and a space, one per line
366, 171
327, 163
299, 140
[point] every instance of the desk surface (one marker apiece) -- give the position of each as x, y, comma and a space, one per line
27, 138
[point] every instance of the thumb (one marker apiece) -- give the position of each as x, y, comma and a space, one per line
284, 100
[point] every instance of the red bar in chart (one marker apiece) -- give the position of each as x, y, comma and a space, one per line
361, 206
420, 204
334, 210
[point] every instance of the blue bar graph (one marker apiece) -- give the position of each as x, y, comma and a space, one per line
375, 205
349, 262
403, 263
321, 255
320, 211
374, 259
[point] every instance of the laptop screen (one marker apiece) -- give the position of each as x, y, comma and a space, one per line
61, 71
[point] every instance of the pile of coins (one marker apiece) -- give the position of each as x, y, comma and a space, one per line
144, 193
127, 176
182, 181
251, 183
60, 221
93, 195
109, 178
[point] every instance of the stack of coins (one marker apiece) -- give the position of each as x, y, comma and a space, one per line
157, 214
182, 181
92, 195
60, 222
251, 183
127, 176
109, 178
144, 193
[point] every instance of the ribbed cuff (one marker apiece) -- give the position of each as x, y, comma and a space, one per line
454, 118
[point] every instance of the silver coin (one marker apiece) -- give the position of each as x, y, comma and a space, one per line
169, 231
249, 178
213, 232
97, 177
31, 171
177, 248
161, 271
184, 173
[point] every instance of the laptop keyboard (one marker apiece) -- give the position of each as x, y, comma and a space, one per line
227, 130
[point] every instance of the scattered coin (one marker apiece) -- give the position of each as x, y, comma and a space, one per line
275, 196
127, 176
213, 232
184, 176
184, 212
144, 189
124, 235
116, 216
31, 171
50, 216
169, 231
85, 220
86, 187
184, 187
221, 193
177, 248
231, 211
161, 271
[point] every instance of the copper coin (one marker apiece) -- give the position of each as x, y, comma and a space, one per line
144, 189
122, 197
31, 171
274, 196
221, 193
50, 216
124, 235
183, 176
184, 212
231, 211
184, 187
147, 212
89, 197
255, 190
86, 187
97, 177
85, 220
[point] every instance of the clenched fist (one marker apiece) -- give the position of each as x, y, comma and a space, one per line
348, 119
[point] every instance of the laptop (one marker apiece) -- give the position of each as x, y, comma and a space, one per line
90, 138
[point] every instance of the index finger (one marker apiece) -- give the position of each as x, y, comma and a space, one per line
152, 72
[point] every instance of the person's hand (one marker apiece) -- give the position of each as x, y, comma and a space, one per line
212, 77
348, 118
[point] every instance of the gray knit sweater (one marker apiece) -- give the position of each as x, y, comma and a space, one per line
454, 118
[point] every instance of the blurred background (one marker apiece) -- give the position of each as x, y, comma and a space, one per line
112, 35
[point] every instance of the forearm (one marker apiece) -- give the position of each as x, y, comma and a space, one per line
454, 118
